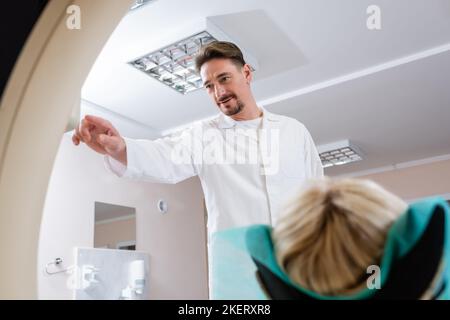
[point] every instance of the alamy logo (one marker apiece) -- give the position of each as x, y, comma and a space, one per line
240, 146
374, 19
374, 280
73, 21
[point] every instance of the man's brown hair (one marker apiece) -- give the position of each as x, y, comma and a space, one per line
221, 50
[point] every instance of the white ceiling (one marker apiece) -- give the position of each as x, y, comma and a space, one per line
387, 90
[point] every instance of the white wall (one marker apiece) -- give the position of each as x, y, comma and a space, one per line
175, 241
415, 182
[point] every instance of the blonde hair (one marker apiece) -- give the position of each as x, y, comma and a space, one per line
333, 231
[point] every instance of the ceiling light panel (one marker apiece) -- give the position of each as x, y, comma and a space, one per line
174, 65
339, 153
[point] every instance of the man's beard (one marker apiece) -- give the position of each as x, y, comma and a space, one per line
235, 110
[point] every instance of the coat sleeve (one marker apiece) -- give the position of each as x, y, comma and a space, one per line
165, 160
313, 164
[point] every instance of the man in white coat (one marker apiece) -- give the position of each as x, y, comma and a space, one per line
249, 160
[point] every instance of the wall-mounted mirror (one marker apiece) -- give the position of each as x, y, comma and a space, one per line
115, 226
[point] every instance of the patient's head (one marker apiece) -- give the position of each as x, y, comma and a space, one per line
333, 231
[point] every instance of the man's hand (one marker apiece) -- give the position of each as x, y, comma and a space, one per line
102, 137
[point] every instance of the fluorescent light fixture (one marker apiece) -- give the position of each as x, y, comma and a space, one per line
174, 65
140, 3
339, 153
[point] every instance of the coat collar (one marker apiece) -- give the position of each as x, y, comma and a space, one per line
225, 122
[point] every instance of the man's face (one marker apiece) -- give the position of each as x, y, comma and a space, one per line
227, 84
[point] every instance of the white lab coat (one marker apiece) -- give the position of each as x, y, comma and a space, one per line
235, 194
229, 195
